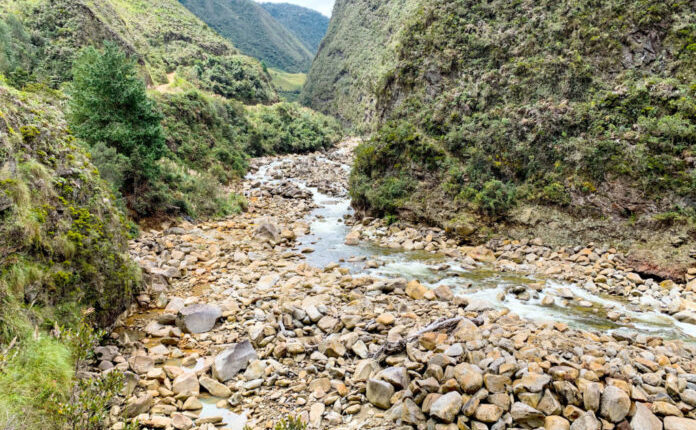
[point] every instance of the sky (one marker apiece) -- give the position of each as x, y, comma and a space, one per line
323, 6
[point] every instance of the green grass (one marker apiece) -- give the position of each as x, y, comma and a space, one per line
33, 380
288, 85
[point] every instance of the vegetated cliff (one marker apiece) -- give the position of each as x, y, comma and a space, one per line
571, 120
254, 32
64, 243
162, 34
308, 25
359, 47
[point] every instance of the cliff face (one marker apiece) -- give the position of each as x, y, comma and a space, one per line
497, 115
357, 50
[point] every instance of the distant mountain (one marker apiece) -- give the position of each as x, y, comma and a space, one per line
254, 31
308, 25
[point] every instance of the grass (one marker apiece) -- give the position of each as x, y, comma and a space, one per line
39, 375
288, 85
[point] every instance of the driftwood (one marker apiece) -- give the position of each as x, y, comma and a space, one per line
391, 348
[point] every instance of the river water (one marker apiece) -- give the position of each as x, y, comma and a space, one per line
328, 232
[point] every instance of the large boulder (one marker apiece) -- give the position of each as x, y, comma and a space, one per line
267, 229
198, 318
644, 419
233, 360
615, 404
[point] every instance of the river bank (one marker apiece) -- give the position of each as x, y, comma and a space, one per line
297, 308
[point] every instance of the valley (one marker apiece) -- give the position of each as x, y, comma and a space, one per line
431, 215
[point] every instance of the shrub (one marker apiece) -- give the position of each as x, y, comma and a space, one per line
495, 198
109, 106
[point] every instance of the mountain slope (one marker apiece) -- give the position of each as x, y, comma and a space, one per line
498, 116
307, 25
357, 49
254, 32
162, 34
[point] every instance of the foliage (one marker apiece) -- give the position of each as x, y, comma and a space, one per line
559, 100
17, 54
289, 128
307, 25
290, 423
162, 35
254, 32
288, 85
109, 106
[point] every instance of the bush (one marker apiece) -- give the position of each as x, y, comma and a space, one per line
109, 106
495, 198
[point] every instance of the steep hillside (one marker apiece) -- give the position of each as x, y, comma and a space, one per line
254, 32
578, 115
64, 249
162, 34
307, 25
359, 47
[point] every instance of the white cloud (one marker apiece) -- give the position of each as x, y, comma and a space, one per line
323, 6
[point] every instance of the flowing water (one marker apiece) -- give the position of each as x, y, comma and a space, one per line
328, 232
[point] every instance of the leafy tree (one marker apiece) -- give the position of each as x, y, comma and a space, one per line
110, 106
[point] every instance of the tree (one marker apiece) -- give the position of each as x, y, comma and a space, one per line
110, 106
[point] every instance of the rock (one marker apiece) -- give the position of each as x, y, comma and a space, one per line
233, 360
554, 422
138, 406
214, 387
447, 407
411, 413
586, 421
315, 414
198, 318
255, 370
267, 229
644, 419
591, 396
353, 238
470, 377
327, 324
181, 422
379, 393
686, 317
675, 423
533, 383
386, 319
192, 404
488, 413
142, 364
364, 370
635, 278
524, 414
415, 290
186, 383
397, 376
267, 282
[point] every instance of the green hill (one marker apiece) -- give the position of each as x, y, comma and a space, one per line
306, 24
512, 116
254, 32
358, 48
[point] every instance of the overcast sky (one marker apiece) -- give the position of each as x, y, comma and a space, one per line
323, 6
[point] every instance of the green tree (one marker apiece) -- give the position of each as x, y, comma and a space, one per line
110, 106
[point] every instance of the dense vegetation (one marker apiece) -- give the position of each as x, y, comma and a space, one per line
254, 32
288, 85
308, 25
358, 49
161, 34
61, 232
83, 67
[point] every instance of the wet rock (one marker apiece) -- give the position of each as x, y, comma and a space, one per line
230, 362
198, 318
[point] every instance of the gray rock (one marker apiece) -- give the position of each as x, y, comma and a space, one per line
198, 318
397, 376
524, 414
615, 404
138, 406
233, 360
379, 393
267, 229
644, 419
214, 387
447, 407
586, 421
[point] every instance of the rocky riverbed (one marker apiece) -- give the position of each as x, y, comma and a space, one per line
296, 308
